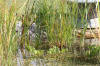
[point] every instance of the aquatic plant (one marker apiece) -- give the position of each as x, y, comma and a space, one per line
8, 37
7, 32
56, 18
54, 50
93, 51
56, 22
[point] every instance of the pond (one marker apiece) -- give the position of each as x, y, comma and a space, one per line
29, 61
43, 62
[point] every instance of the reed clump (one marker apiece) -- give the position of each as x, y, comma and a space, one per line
57, 25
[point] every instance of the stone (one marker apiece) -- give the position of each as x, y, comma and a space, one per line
31, 30
19, 28
94, 23
43, 36
93, 41
90, 24
89, 33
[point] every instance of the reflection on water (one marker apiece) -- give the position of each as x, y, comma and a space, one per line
19, 58
93, 41
37, 62
41, 62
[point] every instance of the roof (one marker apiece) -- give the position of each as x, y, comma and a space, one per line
83, 1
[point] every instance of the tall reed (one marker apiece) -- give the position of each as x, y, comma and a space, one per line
58, 19
8, 37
